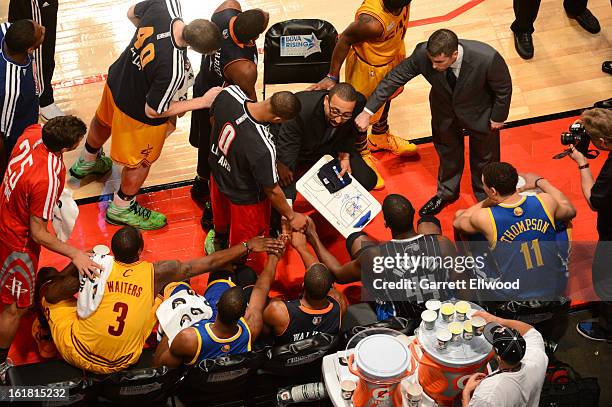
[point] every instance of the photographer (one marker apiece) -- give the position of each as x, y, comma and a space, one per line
598, 193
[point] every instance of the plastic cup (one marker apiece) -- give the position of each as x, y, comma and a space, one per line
461, 310
429, 317
348, 386
468, 333
447, 310
456, 330
443, 336
101, 250
413, 395
433, 305
478, 325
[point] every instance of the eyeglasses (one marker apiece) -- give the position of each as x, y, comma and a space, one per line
335, 112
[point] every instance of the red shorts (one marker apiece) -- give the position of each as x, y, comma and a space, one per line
242, 222
17, 277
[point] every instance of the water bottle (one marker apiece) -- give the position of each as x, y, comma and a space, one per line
300, 394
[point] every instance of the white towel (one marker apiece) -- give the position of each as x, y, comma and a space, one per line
91, 291
180, 311
65, 213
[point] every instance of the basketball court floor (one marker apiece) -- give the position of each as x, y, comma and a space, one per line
564, 76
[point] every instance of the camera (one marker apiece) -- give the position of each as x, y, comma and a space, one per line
580, 139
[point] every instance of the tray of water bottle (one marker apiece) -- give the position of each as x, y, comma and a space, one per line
459, 349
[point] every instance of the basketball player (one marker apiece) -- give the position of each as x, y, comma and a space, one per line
112, 338
244, 181
32, 185
372, 46
318, 310
427, 241
18, 93
233, 327
522, 231
137, 104
234, 64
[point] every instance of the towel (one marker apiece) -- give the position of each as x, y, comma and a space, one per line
91, 291
188, 81
183, 309
65, 213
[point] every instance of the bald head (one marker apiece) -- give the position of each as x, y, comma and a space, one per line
127, 243
318, 280
231, 306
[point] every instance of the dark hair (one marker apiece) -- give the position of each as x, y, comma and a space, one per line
394, 5
598, 123
285, 105
344, 91
442, 41
398, 213
501, 176
126, 243
20, 36
63, 132
231, 306
318, 280
203, 36
249, 24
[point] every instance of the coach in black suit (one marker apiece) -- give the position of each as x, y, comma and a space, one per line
470, 91
325, 125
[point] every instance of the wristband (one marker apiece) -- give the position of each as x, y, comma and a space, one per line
582, 167
536, 182
332, 77
246, 246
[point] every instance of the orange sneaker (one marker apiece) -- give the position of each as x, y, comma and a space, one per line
42, 336
371, 162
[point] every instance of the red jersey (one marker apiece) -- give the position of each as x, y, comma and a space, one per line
32, 185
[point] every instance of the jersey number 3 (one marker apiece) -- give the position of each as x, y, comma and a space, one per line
147, 54
121, 308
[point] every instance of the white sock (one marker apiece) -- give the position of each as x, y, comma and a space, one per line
88, 157
120, 203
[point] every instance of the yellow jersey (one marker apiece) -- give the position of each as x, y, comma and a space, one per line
386, 49
112, 338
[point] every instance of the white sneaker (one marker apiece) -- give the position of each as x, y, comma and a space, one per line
51, 111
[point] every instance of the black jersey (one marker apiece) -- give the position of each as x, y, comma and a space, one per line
213, 66
152, 68
420, 260
305, 322
242, 155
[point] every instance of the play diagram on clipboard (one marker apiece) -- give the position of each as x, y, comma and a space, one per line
348, 210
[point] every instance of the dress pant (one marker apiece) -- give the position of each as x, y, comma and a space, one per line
43, 12
602, 283
449, 144
526, 12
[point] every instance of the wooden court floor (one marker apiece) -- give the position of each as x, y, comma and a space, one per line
564, 75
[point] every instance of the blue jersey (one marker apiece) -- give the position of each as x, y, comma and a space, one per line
18, 95
529, 248
211, 347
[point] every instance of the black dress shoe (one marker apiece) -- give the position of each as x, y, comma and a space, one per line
607, 67
206, 221
604, 104
200, 192
587, 20
523, 42
434, 206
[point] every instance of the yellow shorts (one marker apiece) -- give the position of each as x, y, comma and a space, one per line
365, 77
133, 143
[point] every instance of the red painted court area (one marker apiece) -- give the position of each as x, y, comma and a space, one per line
530, 148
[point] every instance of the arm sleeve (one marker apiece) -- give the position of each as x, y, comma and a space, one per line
535, 358
399, 76
141, 8
289, 142
167, 79
346, 144
42, 198
601, 193
498, 77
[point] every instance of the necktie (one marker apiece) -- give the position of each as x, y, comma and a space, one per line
451, 78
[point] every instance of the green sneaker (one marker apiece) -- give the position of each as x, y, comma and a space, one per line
135, 215
213, 244
81, 168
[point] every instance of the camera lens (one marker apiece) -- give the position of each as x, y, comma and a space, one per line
568, 138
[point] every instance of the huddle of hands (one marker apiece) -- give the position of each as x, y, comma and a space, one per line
289, 235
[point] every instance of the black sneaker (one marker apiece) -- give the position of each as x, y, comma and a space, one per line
523, 42
200, 192
587, 20
591, 329
206, 221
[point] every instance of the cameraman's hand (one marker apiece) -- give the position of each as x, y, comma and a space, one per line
530, 180
577, 156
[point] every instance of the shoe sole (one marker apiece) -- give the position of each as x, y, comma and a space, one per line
92, 174
589, 337
119, 223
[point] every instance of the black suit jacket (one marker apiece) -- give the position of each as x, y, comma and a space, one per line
301, 140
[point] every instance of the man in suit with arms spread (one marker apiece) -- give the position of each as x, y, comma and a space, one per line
471, 91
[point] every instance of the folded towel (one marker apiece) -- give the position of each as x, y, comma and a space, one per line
91, 291
65, 213
183, 309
